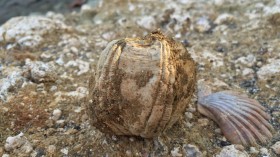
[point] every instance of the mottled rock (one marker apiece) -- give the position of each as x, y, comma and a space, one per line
248, 60
247, 71
147, 22
64, 151
270, 69
28, 31
191, 151
56, 114
231, 151
12, 81
203, 122
276, 147
253, 150
202, 25
82, 65
38, 71
176, 152
264, 151
224, 19
51, 149
18, 144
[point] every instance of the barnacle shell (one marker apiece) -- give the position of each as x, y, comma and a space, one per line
141, 86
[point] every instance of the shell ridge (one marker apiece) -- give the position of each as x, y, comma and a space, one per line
158, 90
239, 114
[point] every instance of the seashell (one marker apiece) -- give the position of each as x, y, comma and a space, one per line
242, 120
141, 86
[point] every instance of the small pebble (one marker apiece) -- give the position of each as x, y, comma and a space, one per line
53, 88
14, 142
128, 153
64, 151
147, 22
231, 151
203, 122
74, 50
51, 149
191, 109
175, 152
18, 144
56, 114
191, 151
218, 131
188, 115
202, 25
253, 150
188, 124
224, 19
276, 147
264, 151
131, 139
247, 71
239, 147
114, 138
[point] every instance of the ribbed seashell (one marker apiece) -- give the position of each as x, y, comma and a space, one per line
141, 86
242, 120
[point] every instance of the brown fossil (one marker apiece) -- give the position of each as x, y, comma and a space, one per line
142, 86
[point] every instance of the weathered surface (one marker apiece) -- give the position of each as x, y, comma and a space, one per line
141, 86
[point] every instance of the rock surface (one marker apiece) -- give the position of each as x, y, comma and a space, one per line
276, 147
28, 31
231, 151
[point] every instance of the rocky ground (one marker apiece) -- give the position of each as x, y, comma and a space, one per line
46, 62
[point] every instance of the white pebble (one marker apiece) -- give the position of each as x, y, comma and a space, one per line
51, 149
56, 114
13, 142
64, 151
53, 88
224, 18
175, 152
128, 153
253, 150
74, 50
202, 25
264, 151
203, 122
188, 115
18, 144
147, 22
247, 71
276, 147
231, 151
270, 69
191, 150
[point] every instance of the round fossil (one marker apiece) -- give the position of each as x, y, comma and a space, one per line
141, 85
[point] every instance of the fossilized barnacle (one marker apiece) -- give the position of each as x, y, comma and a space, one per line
141, 86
